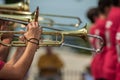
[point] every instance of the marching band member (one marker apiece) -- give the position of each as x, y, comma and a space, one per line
112, 26
18, 65
98, 60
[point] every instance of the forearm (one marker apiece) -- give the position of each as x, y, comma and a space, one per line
19, 52
23, 64
18, 70
4, 50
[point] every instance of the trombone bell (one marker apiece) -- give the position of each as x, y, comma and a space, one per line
20, 6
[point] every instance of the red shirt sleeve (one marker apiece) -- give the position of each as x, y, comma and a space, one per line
1, 64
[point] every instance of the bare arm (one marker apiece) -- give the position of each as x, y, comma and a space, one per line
19, 52
6, 38
4, 50
19, 69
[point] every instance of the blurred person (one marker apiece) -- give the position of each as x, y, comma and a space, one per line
99, 29
112, 26
92, 15
50, 65
18, 65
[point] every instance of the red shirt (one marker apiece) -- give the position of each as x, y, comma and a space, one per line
98, 59
118, 53
112, 25
1, 64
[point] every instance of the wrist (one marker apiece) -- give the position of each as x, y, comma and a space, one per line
34, 46
34, 41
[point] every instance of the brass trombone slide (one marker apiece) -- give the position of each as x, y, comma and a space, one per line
25, 17
24, 6
48, 16
89, 49
102, 44
63, 16
26, 21
32, 16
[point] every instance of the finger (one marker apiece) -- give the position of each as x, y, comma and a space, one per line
21, 38
33, 24
29, 26
36, 24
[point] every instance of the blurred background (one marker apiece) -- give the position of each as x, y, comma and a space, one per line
75, 60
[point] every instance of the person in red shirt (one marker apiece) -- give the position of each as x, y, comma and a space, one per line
112, 26
92, 15
115, 22
118, 53
99, 29
18, 65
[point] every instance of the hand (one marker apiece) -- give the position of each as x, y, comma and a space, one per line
4, 27
33, 31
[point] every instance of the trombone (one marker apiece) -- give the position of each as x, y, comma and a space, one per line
84, 37
26, 17
49, 18
89, 49
77, 24
62, 34
34, 17
44, 21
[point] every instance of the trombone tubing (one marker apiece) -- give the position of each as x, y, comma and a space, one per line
49, 15
82, 32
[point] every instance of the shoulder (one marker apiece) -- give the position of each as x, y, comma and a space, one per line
114, 13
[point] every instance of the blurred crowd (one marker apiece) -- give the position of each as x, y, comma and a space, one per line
105, 20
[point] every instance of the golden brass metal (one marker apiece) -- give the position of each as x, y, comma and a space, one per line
24, 6
86, 48
26, 19
20, 6
78, 33
14, 13
62, 34
34, 17
48, 16
64, 17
